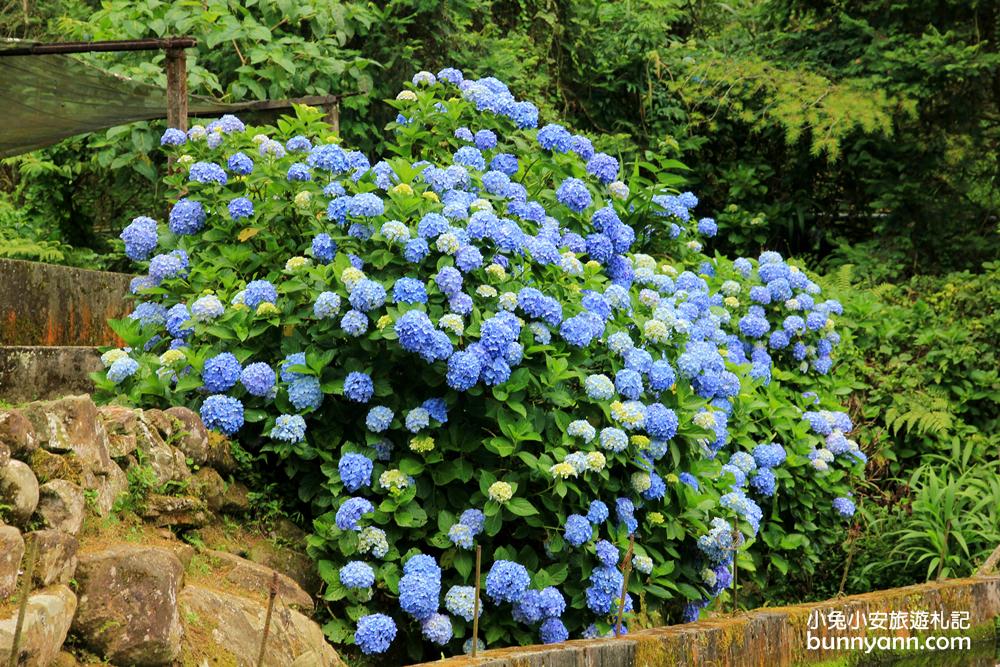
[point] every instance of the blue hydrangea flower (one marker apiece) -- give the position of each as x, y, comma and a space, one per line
577, 530
604, 167
328, 157
528, 609
628, 383
605, 590
553, 631
173, 137
582, 146
416, 250
769, 455
296, 359
366, 204
354, 322
597, 513
258, 292
613, 439
355, 471
207, 308
149, 314
448, 280
461, 536
507, 581
556, 138
240, 208
351, 511
470, 156
460, 601
367, 295
378, 419
221, 372
222, 413
417, 419
551, 602
289, 428
186, 217
298, 144
451, 75
358, 387
207, 172
624, 510
607, 553
661, 422
240, 164
299, 172
177, 315
574, 195
305, 393
323, 248
409, 290
708, 227
122, 368
166, 266
420, 589
474, 519
327, 305
258, 379
375, 633
357, 574
504, 163
437, 629
844, 506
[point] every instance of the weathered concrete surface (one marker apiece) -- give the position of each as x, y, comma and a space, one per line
29, 373
45, 304
774, 637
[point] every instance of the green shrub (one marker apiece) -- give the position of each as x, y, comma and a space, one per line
444, 358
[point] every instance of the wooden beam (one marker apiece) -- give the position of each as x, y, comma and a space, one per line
333, 118
177, 96
95, 47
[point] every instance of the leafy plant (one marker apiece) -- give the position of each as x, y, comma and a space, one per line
954, 520
465, 407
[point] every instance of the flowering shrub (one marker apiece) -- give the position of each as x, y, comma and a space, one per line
462, 345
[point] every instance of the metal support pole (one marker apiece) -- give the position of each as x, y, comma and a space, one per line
177, 96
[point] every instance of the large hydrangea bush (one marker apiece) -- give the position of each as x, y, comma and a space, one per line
463, 344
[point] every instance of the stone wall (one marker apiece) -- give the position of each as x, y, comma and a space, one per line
774, 637
101, 495
45, 304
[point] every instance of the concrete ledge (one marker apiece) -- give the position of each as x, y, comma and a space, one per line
45, 304
762, 638
30, 373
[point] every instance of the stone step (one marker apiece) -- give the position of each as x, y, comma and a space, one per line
52, 318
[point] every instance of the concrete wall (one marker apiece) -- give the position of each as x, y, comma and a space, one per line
29, 373
44, 304
774, 637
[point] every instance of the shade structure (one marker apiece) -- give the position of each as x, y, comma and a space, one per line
44, 99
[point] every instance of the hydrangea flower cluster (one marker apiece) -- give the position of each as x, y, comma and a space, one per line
462, 348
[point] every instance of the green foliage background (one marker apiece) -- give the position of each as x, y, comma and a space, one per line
860, 136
